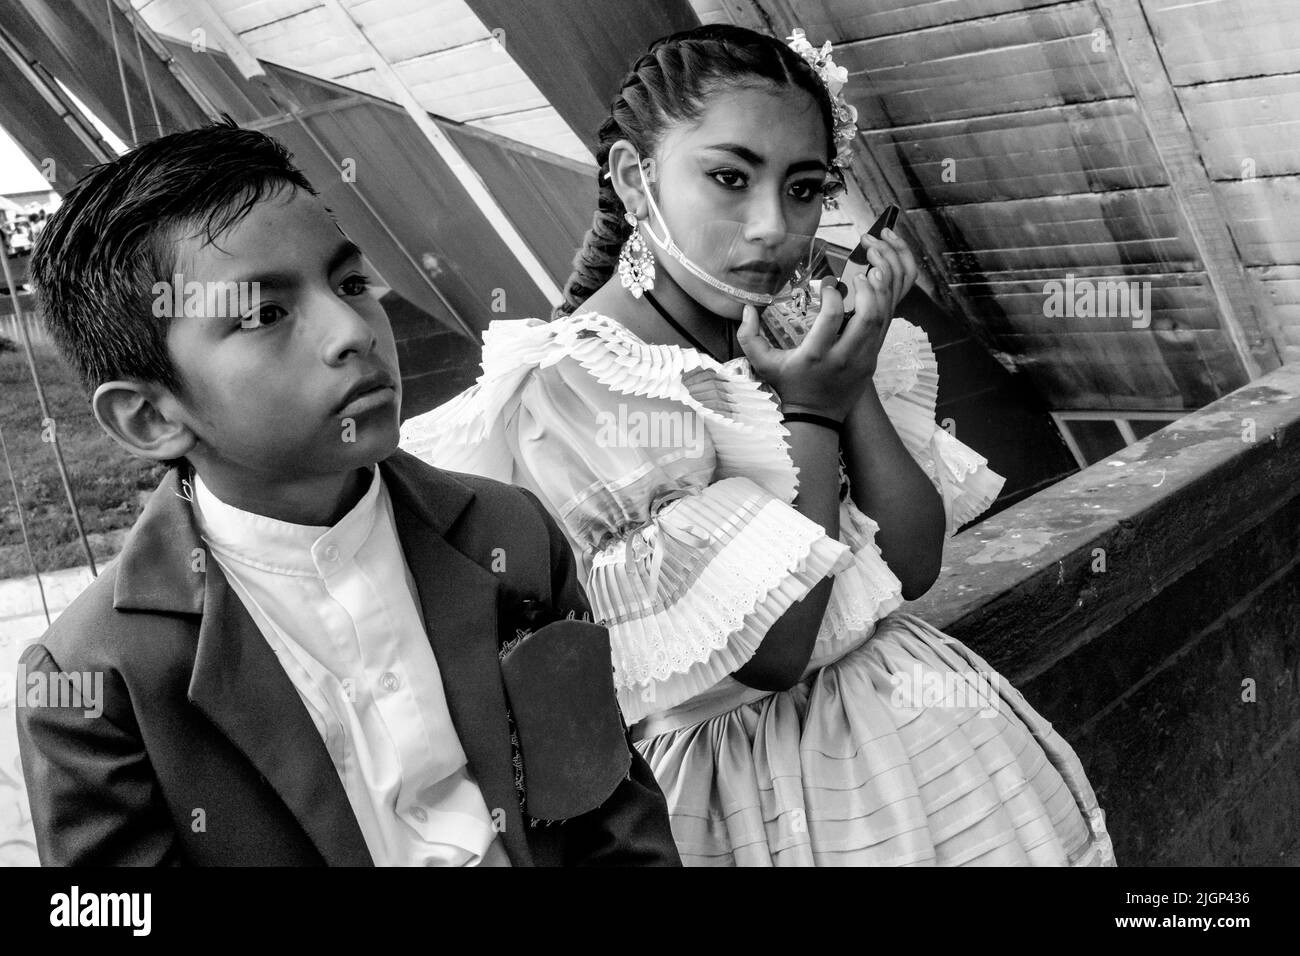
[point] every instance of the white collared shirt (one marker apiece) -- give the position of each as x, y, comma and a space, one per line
339, 607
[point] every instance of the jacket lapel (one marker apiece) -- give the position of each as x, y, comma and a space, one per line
240, 686
459, 601
237, 682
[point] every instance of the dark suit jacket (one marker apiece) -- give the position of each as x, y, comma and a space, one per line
199, 715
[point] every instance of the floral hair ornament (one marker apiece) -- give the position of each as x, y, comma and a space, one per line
845, 115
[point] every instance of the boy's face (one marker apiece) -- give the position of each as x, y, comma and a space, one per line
273, 392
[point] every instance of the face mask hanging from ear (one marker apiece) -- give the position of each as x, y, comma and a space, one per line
672, 249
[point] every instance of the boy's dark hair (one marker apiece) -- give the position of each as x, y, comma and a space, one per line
97, 259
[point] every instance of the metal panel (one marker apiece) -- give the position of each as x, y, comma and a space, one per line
73, 42
452, 62
1246, 128
1020, 61
577, 52
1212, 40
1081, 148
1264, 216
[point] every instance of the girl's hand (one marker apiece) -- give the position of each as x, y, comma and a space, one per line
829, 370
892, 255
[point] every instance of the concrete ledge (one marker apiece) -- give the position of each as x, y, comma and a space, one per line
1150, 607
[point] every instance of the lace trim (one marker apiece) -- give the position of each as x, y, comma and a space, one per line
864, 592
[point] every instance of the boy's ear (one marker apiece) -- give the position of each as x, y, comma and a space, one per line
623, 163
141, 418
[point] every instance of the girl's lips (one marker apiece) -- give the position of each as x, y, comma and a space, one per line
369, 401
760, 279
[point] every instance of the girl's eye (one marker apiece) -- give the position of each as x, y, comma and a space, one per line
807, 191
355, 285
266, 315
730, 178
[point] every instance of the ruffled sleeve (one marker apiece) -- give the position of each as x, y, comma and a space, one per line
907, 380
866, 590
670, 476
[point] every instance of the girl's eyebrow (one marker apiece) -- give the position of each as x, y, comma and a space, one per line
754, 159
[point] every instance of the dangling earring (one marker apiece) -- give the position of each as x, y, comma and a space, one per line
636, 263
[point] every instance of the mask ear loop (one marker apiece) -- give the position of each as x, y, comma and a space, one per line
672, 249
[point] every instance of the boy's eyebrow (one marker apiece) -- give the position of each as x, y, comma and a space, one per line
754, 159
347, 249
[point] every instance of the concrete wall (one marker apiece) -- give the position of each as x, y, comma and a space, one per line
1149, 606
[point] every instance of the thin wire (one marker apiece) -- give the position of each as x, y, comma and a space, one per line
22, 524
45, 411
148, 84
121, 74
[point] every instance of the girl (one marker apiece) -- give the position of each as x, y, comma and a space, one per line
749, 525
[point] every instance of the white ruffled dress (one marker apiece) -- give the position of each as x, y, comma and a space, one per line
672, 479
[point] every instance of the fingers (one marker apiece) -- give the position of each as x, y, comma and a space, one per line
886, 270
750, 338
906, 260
825, 328
871, 309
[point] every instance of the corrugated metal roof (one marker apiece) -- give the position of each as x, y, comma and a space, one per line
452, 62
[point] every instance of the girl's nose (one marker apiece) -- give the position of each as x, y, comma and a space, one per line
766, 223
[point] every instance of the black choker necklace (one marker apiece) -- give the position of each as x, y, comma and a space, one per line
695, 343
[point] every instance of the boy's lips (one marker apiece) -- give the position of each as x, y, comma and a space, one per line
367, 393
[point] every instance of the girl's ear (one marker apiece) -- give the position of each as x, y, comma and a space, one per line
624, 161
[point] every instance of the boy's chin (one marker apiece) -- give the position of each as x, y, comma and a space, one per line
375, 445
368, 445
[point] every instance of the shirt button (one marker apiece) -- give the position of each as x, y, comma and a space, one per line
389, 681
331, 553
420, 814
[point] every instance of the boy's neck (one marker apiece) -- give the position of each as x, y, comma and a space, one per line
317, 500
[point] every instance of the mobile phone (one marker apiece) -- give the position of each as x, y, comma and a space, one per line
857, 261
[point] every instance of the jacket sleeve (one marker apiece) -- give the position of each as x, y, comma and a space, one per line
93, 795
631, 827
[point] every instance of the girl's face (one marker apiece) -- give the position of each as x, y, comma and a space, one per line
741, 191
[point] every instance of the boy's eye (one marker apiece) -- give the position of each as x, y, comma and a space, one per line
730, 178
266, 315
355, 285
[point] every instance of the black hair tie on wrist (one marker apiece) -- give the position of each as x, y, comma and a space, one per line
822, 420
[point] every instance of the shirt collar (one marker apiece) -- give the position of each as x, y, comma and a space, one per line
281, 547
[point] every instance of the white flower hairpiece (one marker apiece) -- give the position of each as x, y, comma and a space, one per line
833, 77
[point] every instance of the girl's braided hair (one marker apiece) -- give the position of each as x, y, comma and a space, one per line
670, 84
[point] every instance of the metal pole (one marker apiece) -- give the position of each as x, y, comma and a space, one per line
45, 411
22, 526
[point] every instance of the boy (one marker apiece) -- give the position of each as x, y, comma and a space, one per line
313, 649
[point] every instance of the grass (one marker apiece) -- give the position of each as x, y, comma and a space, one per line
106, 481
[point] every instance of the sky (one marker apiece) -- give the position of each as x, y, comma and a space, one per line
17, 175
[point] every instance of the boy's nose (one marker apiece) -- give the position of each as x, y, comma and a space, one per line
346, 330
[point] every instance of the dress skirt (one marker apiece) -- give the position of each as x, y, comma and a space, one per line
844, 770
